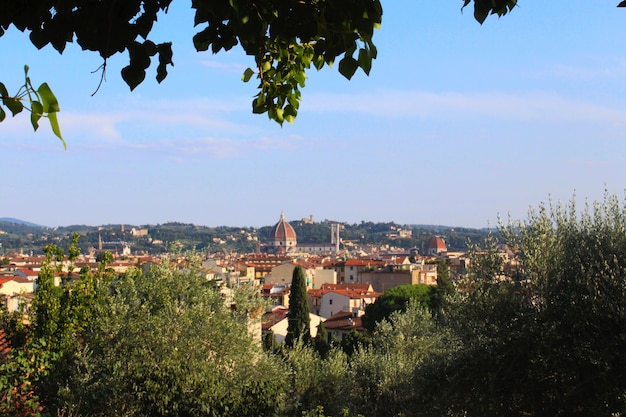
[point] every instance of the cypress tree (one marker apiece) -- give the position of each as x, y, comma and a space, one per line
321, 343
299, 322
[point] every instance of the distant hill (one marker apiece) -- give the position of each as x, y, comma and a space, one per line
23, 236
18, 221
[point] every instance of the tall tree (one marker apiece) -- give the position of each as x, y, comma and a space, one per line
543, 336
299, 321
444, 287
320, 342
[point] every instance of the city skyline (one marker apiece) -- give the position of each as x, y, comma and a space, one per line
456, 125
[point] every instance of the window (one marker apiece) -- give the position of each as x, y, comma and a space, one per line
330, 301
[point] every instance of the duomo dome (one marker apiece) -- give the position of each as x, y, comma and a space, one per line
282, 237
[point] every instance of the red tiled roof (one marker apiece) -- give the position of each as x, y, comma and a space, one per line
270, 318
354, 291
364, 262
28, 272
355, 294
354, 287
436, 242
344, 321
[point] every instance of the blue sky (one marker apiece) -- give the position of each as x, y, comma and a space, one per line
456, 125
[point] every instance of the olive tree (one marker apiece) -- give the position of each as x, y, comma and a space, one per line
541, 335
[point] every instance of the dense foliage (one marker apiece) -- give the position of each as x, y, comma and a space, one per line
540, 335
395, 300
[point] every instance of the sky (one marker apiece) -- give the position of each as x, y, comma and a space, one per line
458, 124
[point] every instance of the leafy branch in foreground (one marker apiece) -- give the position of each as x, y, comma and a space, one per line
40, 102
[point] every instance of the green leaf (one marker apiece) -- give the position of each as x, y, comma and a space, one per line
290, 113
39, 38
50, 103
3, 91
278, 115
348, 66
480, 14
165, 58
247, 74
133, 76
622, 4
318, 61
300, 77
14, 105
54, 124
259, 105
3, 114
365, 61
36, 111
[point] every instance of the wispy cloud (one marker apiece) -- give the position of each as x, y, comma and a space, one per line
608, 71
226, 129
522, 107
215, 147
155, 120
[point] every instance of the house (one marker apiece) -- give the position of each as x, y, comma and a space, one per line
316, 248
323, 276
347, 271
16, 289
278, 295
342, 323
332, 298
276, 322
334, 301
26, 273
263, 264
283, 274
16, 285
383, 280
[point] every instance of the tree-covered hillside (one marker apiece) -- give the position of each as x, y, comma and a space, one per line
153, 239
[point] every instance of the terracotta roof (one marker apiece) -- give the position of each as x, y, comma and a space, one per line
354, 287
353, 291
20, 279
4, 280
364, 262
436, 242
355, 294
282, 231
270, 318
344, 321
28, 272
304, 264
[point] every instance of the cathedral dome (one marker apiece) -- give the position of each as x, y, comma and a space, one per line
436, 245
282, 235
